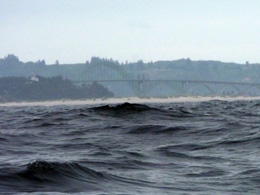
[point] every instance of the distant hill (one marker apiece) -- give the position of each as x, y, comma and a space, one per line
184, 69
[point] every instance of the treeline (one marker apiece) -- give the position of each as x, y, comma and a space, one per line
39, 88
182, 69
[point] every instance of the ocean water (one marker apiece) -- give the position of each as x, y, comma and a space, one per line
210, 147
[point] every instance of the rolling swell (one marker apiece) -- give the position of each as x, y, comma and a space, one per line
179, 148
52, 176
119, 110
125, 107
64, 177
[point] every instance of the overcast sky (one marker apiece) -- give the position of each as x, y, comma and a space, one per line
74, 30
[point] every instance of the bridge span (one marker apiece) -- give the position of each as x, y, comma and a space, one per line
142, 87
111, 75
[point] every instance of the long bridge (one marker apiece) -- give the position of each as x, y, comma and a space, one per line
110, 75
185, 87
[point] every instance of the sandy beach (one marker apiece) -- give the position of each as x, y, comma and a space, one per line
126, 99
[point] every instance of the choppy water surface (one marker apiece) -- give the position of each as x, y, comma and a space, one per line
180, 148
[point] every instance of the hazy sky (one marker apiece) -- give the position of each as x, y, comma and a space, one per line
74, 30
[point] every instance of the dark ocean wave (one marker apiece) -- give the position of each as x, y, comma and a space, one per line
255, 141
3, 139
47, 176
180, 148
155, 129
52, 176
180, 156
125, 107
119, 110
184, 147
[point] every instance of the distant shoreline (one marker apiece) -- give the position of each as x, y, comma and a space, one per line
125, 99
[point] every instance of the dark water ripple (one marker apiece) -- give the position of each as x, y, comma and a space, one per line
180, 148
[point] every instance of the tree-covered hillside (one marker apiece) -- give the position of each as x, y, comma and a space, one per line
184, 69
39, 88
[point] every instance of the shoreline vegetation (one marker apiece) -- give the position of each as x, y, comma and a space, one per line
134, 100
37, 88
